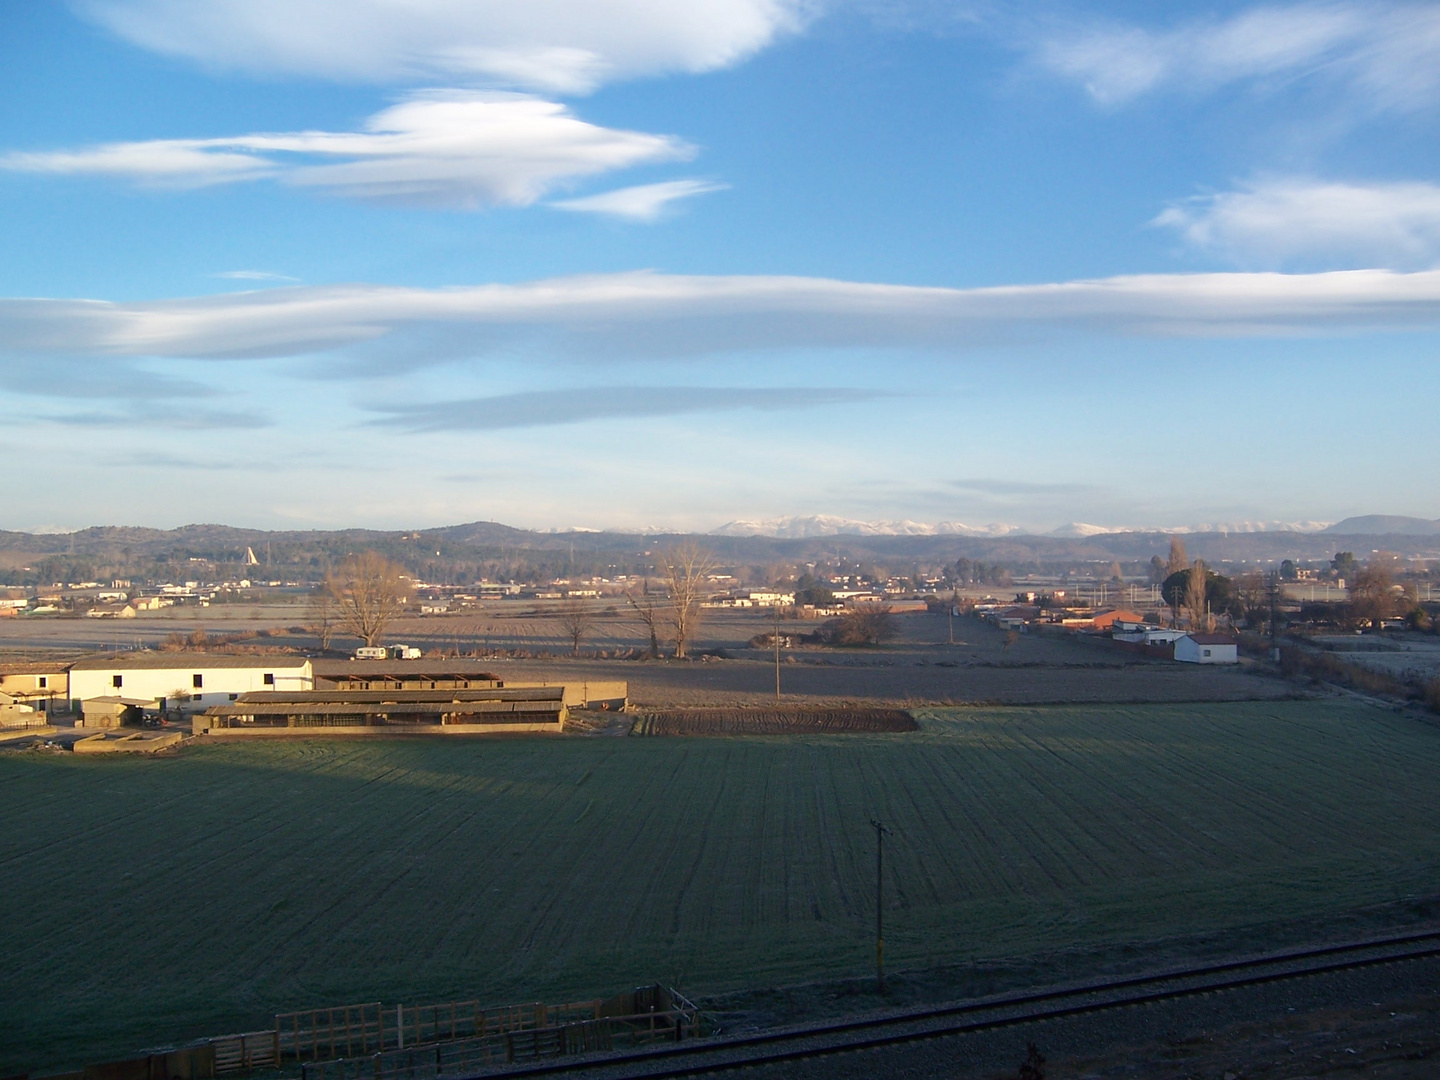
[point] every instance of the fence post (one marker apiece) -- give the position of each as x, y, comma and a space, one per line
399, 1027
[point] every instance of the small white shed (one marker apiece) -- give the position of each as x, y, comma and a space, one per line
1207, 649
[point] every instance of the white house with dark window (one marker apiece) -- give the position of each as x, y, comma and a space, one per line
186, 680
1207, 649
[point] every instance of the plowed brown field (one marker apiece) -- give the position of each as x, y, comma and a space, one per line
773, 721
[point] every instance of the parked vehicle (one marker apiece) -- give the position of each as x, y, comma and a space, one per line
371, 652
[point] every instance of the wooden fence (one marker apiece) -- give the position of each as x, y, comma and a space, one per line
451, 1020
416, 1042
439, 1059
251, 1050
342, 1031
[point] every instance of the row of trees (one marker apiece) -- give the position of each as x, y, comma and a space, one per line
365, 595
671, 609
1201, 594
975, 572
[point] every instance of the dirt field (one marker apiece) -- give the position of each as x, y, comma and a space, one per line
922, 666
155, 900
1405, 655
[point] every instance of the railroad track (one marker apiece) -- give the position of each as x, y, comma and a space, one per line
778, 1046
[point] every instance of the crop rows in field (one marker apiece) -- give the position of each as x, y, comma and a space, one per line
774, 721
202, 893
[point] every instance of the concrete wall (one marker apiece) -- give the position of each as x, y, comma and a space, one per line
614, 694
135, 743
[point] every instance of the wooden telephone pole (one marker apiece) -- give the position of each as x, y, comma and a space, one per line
880, 833
776, 640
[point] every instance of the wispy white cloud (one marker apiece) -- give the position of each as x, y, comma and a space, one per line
1388, 52
1279, 222
646, 202
448, 149
647, 314
253, 275
554, 46
577, 405
187, 419
157, 162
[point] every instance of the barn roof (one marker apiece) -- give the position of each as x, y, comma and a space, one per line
429, 668
353, 708
302, 698
186, 661
36, 667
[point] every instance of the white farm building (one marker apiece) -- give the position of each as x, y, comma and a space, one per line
191, 680
1207, 649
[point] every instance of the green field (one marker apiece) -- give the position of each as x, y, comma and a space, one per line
147, 901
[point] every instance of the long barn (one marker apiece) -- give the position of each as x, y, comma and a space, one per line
389, 712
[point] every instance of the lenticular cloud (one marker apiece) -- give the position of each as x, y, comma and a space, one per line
676, 315
554, 46
446, 149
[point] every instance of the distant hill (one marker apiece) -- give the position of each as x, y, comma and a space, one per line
465, 552
1385, 525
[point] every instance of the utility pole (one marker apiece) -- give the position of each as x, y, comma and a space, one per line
954, 596
880, 833
775, 637
1274, 590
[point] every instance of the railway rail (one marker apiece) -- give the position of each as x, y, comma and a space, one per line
721, 1053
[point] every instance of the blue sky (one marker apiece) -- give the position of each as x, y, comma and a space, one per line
630, 263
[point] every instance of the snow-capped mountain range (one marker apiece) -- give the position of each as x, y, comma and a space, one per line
795, 528
801, 527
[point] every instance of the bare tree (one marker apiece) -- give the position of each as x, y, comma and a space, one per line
576, 619
1157, 570
1178, 559
369, 591
647, 609
685, 569
1372, 594
1252, 596
1195, 595
323, 614
867, 624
